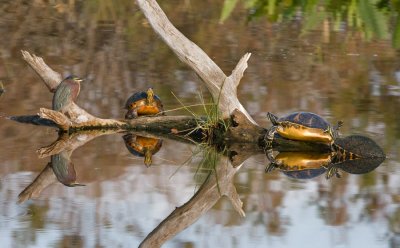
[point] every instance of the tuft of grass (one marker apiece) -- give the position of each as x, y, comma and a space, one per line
212, 126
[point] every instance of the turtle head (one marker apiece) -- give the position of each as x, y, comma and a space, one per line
150, 95
273, 118
147, 157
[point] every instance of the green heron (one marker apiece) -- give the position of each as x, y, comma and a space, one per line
64, 169
143, 103
66, 93
2, 90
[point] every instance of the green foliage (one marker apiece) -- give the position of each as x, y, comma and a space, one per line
212, 125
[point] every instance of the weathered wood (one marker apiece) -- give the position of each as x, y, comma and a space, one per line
50, 78
222, 88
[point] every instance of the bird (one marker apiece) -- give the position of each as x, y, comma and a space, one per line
66, 93
64, 169
2, 90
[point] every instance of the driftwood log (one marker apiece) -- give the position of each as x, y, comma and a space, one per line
243, 128
242, 139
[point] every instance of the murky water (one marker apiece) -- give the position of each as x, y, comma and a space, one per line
330, 68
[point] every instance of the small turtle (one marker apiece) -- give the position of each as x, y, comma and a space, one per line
143, 103
303, 126
299, 165
142, 146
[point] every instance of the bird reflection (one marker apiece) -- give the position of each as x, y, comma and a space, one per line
64, 169
141, 146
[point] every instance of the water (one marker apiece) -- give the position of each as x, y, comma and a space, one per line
331, 68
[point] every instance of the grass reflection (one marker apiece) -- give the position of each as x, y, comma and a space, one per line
374, 19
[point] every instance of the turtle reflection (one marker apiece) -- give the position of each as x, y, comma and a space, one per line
141, 146
300, 165
353, 154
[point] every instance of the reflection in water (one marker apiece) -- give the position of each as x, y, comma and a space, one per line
300, 165
353, 154
218, 183
332, 71
141, 146
372, 18
64, 169
60, 168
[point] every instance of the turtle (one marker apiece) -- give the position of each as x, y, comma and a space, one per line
356, 154
303, 126
143, 103
141, 146
299, 165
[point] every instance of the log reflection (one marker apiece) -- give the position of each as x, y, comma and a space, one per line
60, 168
219, 183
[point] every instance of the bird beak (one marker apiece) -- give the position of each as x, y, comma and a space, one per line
76, 184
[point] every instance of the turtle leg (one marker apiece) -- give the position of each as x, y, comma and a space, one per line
131, 114
134, 113
270, 168
147, 157
269, 137
332, 171
335, 133
272, 165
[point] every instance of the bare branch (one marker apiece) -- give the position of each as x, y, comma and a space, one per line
198, 60
50, 77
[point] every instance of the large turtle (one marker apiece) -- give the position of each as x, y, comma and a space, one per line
356, 154
303, 126
143, 103
299, 165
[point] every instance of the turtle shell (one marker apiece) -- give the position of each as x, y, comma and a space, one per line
136, 145
306, 119
138, 97
137, 105
304, 126
302, 165
305, 174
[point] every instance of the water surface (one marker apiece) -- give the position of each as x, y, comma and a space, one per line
334, 68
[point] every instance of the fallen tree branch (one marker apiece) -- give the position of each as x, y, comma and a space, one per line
222, 88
